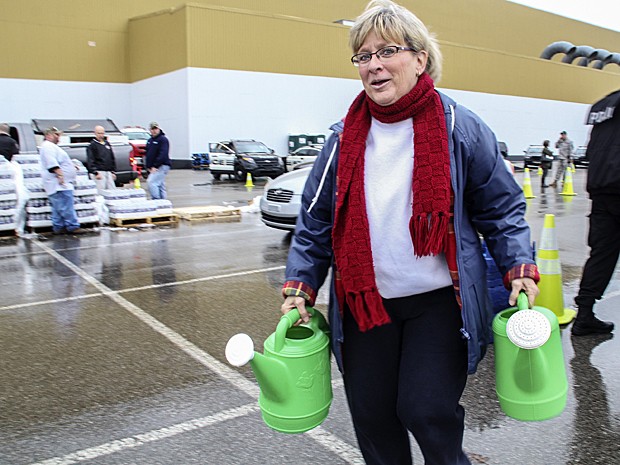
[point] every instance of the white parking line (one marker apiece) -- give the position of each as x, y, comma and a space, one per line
331, 442
153, 435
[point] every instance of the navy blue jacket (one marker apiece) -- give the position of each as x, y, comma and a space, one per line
157, 149
487, 201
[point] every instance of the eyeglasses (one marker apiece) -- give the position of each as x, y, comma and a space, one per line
384, 53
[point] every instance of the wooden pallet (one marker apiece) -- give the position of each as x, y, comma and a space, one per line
158, 220
46, 230
8, 234
209, 213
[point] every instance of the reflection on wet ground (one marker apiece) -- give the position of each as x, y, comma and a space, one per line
112, 349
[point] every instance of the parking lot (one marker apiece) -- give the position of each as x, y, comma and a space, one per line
113, 348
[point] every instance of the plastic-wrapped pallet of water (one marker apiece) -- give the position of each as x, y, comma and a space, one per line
114, 195
39, 220
6, 170
26, 159
31, 171
35, 188
8, 205
164, 206
132, 209
86, 213
84, 186
7, 190
137, 193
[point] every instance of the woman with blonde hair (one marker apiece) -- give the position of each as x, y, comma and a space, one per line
394, 206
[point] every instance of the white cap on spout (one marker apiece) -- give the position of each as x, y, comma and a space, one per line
239, 350
528, 329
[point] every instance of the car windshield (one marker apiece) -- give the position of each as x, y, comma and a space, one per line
138, 135
536, 150
581, 151
252, 147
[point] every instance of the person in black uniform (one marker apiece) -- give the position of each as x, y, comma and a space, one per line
603, 185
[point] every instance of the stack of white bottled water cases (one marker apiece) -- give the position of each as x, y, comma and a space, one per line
30, 166
164, 206
132, 203
27, 159
39, 209
8, 205
8, 195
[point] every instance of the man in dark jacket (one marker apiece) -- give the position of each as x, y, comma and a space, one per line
100, 161
8, 146
603, 185
157, 161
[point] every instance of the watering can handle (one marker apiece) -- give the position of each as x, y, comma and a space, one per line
289, 319
522, 302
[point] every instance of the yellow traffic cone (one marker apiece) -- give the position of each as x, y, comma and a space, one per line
136, 183
567, 187
527, 185
540, 171
548, 261
572, 167
248, 182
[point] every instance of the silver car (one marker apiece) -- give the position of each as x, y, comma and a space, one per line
281, 201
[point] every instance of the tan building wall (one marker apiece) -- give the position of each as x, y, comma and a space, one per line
489, 45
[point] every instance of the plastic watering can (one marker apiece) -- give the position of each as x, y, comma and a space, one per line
294, 373
531, 381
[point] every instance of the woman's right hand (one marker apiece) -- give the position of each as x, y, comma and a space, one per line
293, 301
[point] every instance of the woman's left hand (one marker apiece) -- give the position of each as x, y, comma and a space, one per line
523, 284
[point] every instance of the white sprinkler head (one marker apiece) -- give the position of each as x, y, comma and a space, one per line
528, 329
239, 350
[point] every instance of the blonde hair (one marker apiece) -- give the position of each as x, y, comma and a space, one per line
395, 23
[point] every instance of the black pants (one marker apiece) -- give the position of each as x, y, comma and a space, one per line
408, 375
546, 166
604, 242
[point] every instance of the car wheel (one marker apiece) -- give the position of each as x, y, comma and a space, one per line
216, 176
240, 174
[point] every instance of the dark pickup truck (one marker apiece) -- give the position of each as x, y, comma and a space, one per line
76, 136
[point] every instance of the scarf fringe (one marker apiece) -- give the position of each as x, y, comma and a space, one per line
428, 233
367, 309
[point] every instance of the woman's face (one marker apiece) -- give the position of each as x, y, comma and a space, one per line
387, 81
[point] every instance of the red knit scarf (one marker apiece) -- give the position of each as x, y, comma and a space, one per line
431, 194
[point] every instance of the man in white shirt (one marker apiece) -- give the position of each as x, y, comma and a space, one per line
58, 173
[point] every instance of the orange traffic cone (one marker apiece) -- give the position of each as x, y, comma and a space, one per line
548, 261
567, 187
527, 185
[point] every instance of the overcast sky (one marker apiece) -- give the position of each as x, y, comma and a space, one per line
604, 13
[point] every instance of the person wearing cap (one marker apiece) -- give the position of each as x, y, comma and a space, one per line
566, 150
59, 173
8, 146
100, 161
157, 161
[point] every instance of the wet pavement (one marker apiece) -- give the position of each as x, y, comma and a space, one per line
112, 348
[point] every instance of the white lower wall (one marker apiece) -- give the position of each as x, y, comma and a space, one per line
22, 100
195, 106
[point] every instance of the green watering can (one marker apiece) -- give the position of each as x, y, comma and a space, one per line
531, 381
294, 373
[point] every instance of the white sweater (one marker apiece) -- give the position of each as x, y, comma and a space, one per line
387, 182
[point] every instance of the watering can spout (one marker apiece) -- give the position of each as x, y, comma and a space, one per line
270, 372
